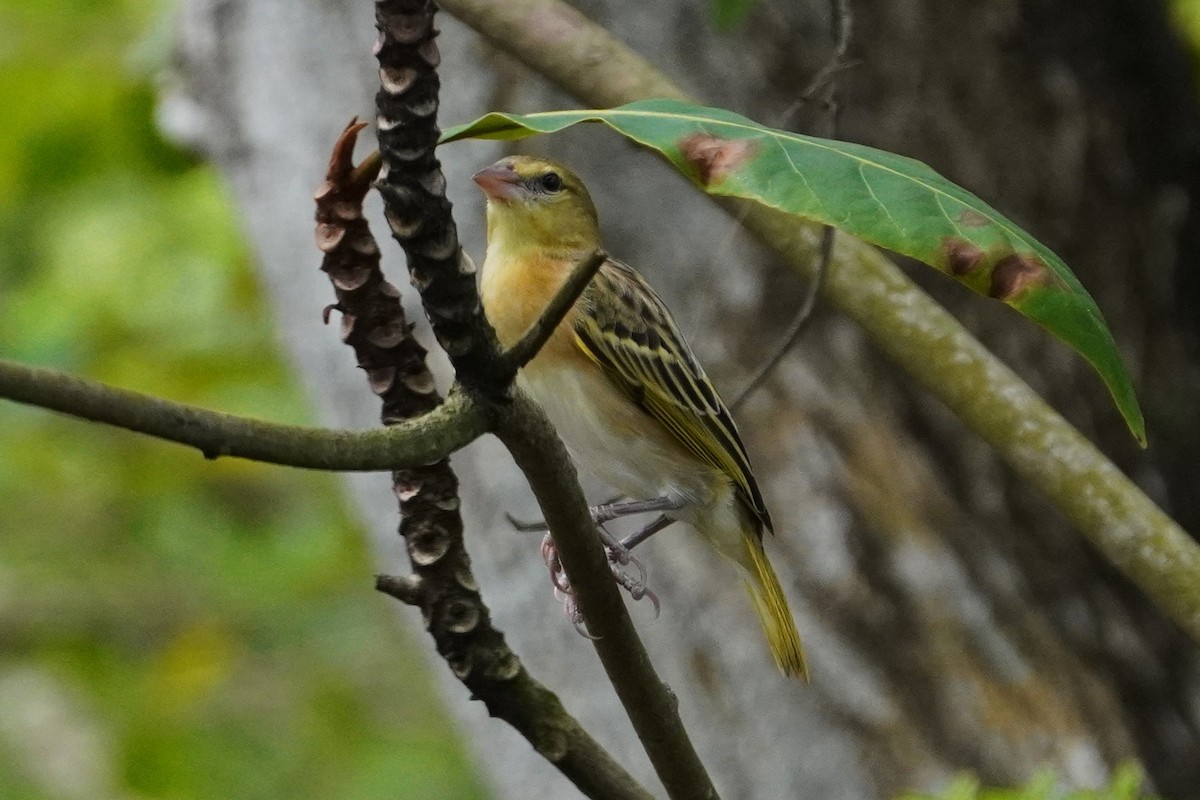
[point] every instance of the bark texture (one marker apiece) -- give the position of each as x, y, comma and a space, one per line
953, 620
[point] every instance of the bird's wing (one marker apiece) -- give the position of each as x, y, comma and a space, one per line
626, 329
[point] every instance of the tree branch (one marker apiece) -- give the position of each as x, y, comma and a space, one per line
442, 583
448, 427
652, 708
413, 190
903, 322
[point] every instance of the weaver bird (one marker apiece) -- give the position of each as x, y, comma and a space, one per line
618, 381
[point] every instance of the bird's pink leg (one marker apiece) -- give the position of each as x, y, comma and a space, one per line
618, 551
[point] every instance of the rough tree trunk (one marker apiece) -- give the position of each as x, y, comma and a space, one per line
953, 619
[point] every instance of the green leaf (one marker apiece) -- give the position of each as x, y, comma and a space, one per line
883, 198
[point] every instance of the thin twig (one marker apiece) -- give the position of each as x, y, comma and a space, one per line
451, 426
531, 342
799, 322
841, 24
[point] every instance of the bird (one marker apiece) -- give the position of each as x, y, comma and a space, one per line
619, 382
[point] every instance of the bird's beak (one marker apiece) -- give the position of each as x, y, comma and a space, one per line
499, 182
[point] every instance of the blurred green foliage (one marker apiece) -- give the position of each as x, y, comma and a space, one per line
1126, 785
1187, 19
169, 627
728, 14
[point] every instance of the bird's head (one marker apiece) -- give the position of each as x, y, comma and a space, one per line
540, 203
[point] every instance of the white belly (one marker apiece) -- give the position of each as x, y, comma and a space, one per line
614, 440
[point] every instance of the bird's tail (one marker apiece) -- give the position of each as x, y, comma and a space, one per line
773, 611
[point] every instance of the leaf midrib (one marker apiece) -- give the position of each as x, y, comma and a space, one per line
702, 123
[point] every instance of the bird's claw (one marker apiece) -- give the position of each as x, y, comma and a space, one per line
621, 556
637, 589
571, 608
558, 576
618, 556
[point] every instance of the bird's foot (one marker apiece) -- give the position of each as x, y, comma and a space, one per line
618, 558
619, 552
637, 588
606, 512
562, 586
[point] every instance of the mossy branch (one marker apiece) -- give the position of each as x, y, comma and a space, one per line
554, 39
449, 427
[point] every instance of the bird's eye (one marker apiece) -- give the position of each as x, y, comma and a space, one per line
551, 182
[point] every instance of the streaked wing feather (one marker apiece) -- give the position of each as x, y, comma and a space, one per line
628, 331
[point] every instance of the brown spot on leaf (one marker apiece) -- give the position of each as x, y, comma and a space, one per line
1014, 274
713, 157
970, 218
962, 257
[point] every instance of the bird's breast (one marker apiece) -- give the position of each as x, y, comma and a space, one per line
610, 437
608, 434
515, 288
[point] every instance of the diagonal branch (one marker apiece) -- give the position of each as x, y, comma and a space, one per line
841, 23
800, 321
413, 191
449, 427
651, 706
903, 322
442, 584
